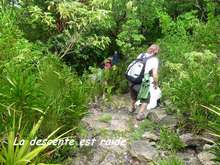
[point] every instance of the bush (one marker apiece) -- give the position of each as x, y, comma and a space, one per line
145, 125
195, 82
170, 140
33, 80
10, 41
207, 36
48, 85
190, 77
115, 78
109, 81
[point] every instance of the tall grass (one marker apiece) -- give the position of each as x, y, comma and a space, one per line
171, 160
214, 127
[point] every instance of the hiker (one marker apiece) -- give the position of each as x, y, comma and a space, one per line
115, 58
143, 74
108, 63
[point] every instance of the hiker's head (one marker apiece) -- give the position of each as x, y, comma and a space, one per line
108, 63
153, 49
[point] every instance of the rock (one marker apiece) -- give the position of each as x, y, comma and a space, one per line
192, 140
80, 160
93, 122
98, 156
119, 125
167, 102
164, 154
129, 160
150, 136
108, 155
206, 158
153, 144
121, 115
169, 121
143, 151
121, 102
110, 159
189, 157
156, 115
117, 122
207, 147
119, 149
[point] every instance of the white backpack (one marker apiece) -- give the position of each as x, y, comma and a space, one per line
135, 71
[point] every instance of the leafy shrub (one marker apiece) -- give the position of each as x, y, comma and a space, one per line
116, 79
170, 140
34, 80
130, 33
46, 86
206, 35
9, 35
195, 82
108, 81
145, 125
189, 77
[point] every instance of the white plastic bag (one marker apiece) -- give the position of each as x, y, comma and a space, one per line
155, 95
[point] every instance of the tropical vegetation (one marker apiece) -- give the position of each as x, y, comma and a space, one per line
50, 57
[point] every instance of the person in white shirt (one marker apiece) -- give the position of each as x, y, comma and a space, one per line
151, 68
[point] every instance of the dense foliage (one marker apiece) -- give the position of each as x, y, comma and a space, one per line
36, 83
50, 53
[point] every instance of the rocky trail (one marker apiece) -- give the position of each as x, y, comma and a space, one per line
116, 138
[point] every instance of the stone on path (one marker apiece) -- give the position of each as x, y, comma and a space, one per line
207, 147
192, 140
143, 151
80, 160
189, 157
98, 156
110, 159
150, 136
108, 155
206, 158
156, 115
118, 122
120, 149
169, 121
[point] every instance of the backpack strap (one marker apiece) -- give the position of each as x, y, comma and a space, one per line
142, 55
146, 59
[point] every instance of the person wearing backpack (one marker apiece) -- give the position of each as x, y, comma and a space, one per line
145, 68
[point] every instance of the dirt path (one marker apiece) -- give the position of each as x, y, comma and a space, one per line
116, 138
